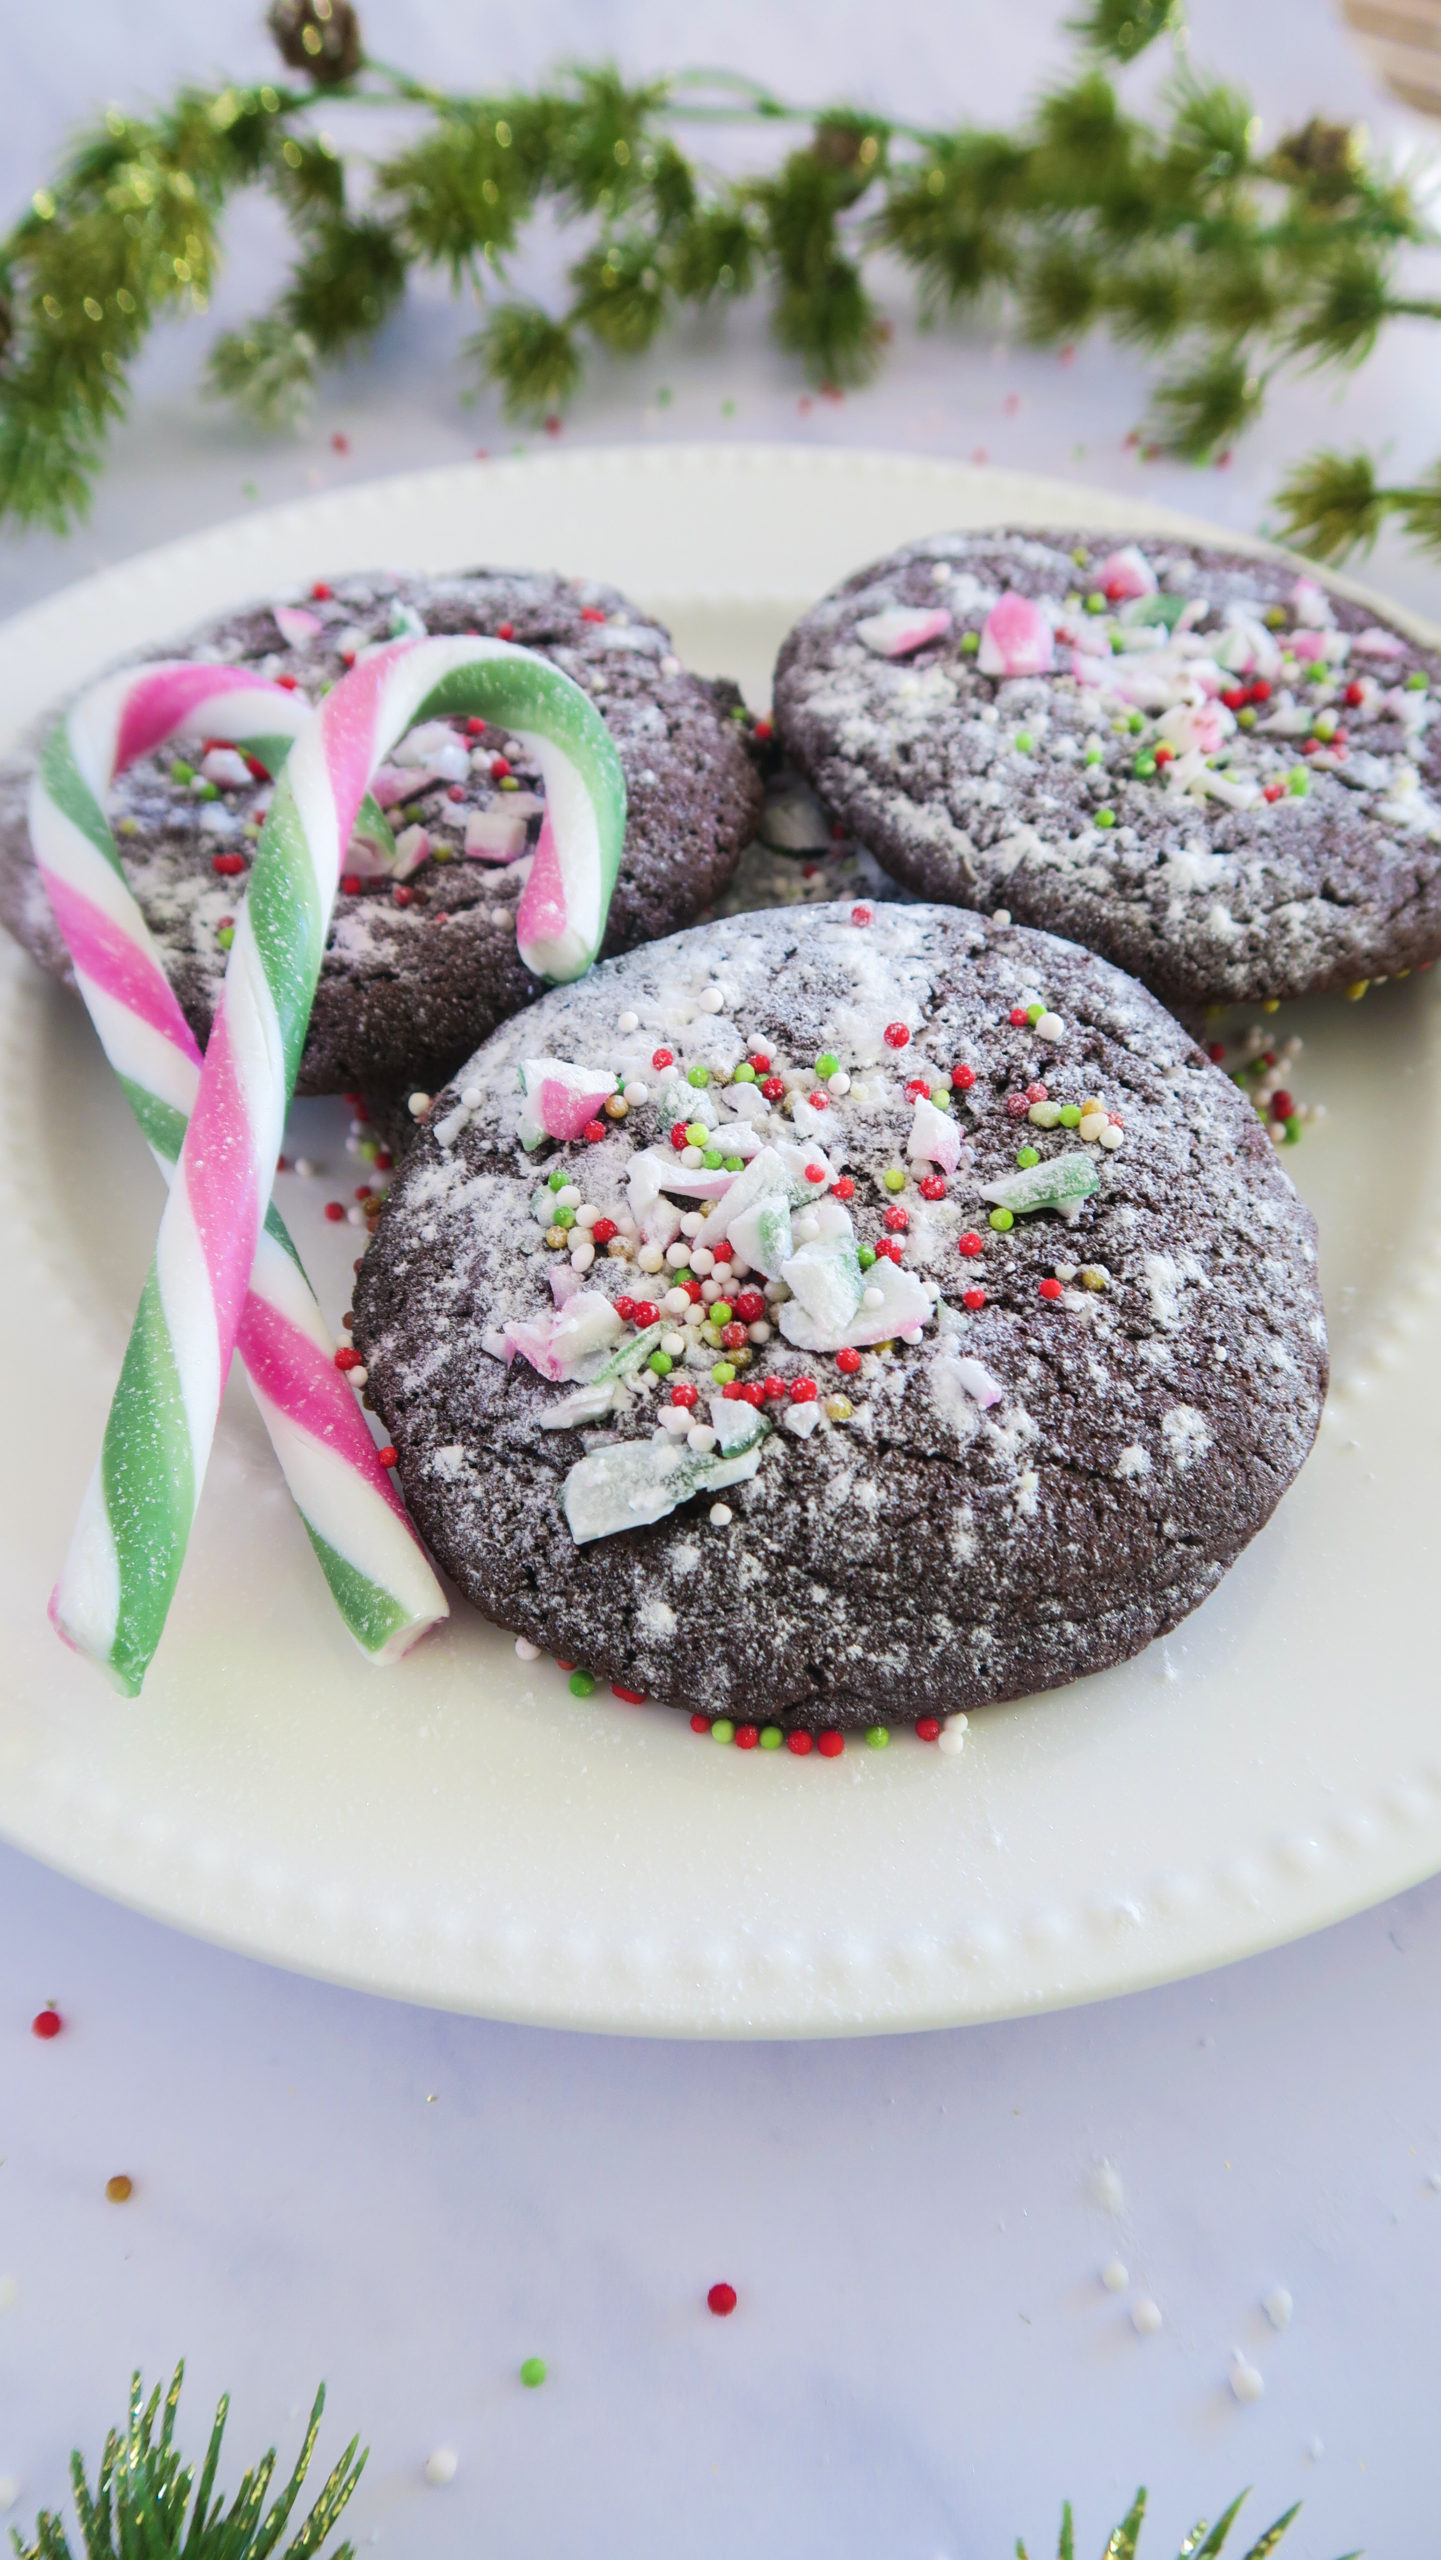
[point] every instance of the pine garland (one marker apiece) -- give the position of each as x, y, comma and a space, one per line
141, 2506
1226, 261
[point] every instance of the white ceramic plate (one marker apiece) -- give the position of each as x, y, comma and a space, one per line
459, 1830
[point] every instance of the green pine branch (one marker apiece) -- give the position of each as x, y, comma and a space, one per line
1185, 234
1203, 2542
147, 2504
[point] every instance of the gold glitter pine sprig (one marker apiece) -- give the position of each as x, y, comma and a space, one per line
141, 2507
1203, 2542
1184, 235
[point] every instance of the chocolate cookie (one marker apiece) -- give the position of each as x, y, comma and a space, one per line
418, 970
1223, 776
840, 1315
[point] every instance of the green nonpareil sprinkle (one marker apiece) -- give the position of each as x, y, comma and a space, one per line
723, 1374
1027, 1156
1298, 782
713, 1159
182, 772
1095, 601
697, 1134
722, 1730
735, 1164
1001, 1219
697, 1075
661, 1362
1023, 742
865, 1256
1070, 1115
225, 935
581, 1683
771, 1737
533, 2371
1105, 817
893, 1178
877, 1736
970, 643
1093, 755
744, 1073
1143, 768
557, 1178
1415, 682
828, 1064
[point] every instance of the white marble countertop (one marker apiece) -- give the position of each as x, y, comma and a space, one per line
924, 2360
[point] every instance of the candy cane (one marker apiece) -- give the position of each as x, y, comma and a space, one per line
382, 1584
129, 1543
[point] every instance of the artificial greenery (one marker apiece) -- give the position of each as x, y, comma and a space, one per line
141, 2506
1187, 235
1203, 2542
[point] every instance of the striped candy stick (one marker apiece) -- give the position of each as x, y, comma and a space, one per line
131, 1538
382, 1584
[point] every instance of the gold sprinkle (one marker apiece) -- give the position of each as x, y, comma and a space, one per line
1354, 994
1093, 1277
556, 1237
839, 1408
616, 1106
119, 2190
1273, 1004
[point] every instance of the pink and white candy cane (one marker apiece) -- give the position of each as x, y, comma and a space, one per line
129, 1544
381, 1582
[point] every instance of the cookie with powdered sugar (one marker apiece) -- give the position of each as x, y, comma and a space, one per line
842, 1315
421, 960
1220, 774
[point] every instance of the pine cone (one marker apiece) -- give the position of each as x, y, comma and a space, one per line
321, 37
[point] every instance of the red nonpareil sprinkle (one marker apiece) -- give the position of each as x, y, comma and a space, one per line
862, 915
773, 1088
970, 1244
348, 1319
499, 768
1017, 1105
1310, 746
505, 631
733, 1336
1338, 739
799, 1742
760, 1060
348, 1358
591, 613
845, 1189
389, 1456
1355, 694
1115, 1119
700, 1724
694, 1291
750, 1306
1037, 1093
887, 1249
291, 683
815, 1173
282, 1164
1165, 754
320, 592
384, 1161
1234, 697
897, 1221
975, 1299
563, 1666
625, 1309
401, 894
362, 1191
1274, 791
350, 884
932, 1186
646, 1313
603, 1230
831, 1744
663, 1058
632, 1697
47, 2024
1215, 1051
455, 791
1052, 1289
335, 1211
593, 1132
723, 1252
819, 1101
731, 1392
848, 1361
803, 1391
678, 1137
752, 1392
747, 1736
1282, 1106
897, 1035
774, 1389
475, 728
229, 865
553, 423
928, 1729
1018, 1017
1260, 691
963, 1077
918, 1090
684, 1392
721, 2298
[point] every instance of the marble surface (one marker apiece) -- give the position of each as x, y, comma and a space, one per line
925, 2359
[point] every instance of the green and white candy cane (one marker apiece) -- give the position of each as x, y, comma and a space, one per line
378, 1575
137, 1521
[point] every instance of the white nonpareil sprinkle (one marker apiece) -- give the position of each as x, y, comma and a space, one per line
675, 1418
840, 1082
721, 1515
872, 1297
1246, 2382
952, 1737
1050, 1027
1145, 2317
1278, 2306
702, 1261
418, 1105
1114, 2276
1111, 1138
711, 1000
673, 1344
628, 1022
635, 1094
582, 1255
1002, 917
358, 1377
587, 1214
676, 1302
472, 1097
678, 1256
527, 1651
692, 1223
701, 1436
305, 1168
442, 2466
691, 1157
651, 1258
